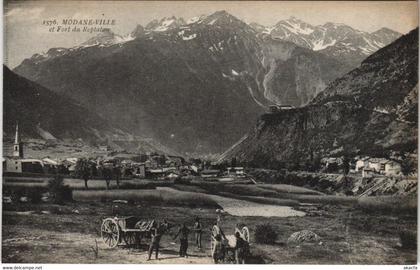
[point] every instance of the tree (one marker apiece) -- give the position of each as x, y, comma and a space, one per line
83, 170
346, 165
107, 175
408, 166
93, 169
233, 162
59, 192
61, 169
116, 173
316, 163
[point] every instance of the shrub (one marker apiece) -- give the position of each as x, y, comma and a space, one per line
182, 180
408, 239
265, 234
35, 196
55, 210
17, 194
60, 193
388, 204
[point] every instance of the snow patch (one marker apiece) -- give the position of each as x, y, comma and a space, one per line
381, 110
189, 37
371, 47
119, 40
296, 28
235, 73
319, 44
212, 22
268, 30
193, 20
164, 25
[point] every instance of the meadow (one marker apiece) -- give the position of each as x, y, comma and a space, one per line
353, 230
194, 193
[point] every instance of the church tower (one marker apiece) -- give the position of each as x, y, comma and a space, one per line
17, 146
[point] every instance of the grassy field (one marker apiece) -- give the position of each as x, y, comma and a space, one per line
142, 190
349, 236
353, 230
78, 184
147, 197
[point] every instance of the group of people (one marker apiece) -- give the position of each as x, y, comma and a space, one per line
240, 249
159, 229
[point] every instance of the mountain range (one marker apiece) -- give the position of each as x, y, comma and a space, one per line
372, 111
48, 116
336, 40
196, 86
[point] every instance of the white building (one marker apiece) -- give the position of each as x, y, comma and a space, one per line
392, 168
377, 164
23, 165
238, 171
362, 163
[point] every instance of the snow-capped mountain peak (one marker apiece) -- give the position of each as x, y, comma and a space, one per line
106, 38
220, 18
138, 31
296, 26
165, 24
334, 39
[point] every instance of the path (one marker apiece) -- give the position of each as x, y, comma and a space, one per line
79, 248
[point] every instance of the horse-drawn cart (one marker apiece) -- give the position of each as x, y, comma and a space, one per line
128, 229
223, 246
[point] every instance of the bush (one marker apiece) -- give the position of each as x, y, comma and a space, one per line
60, 193
408, 239
265, 234
182, 180
17, 194
388, 204
35, 196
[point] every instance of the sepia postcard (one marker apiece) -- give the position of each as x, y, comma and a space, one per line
210, 132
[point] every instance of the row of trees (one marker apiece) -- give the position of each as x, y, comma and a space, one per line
87, 169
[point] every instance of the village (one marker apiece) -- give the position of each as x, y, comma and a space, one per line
120, 200
116, 165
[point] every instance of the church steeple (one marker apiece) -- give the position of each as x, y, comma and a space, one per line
17, 146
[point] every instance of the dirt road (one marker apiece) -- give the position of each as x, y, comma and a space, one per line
51, 247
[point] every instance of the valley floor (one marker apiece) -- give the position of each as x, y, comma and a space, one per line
353, 230
47, 233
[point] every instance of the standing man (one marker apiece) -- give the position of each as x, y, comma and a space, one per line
198, 229
183, 238
241, 249
157, 232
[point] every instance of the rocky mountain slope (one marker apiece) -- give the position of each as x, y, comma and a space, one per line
336, 40
196, 86
370, 111
47, 116
382, 81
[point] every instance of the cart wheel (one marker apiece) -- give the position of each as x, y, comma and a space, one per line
130, 238
110, 232
245, 233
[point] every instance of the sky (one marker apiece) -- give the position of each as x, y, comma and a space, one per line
26, 35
